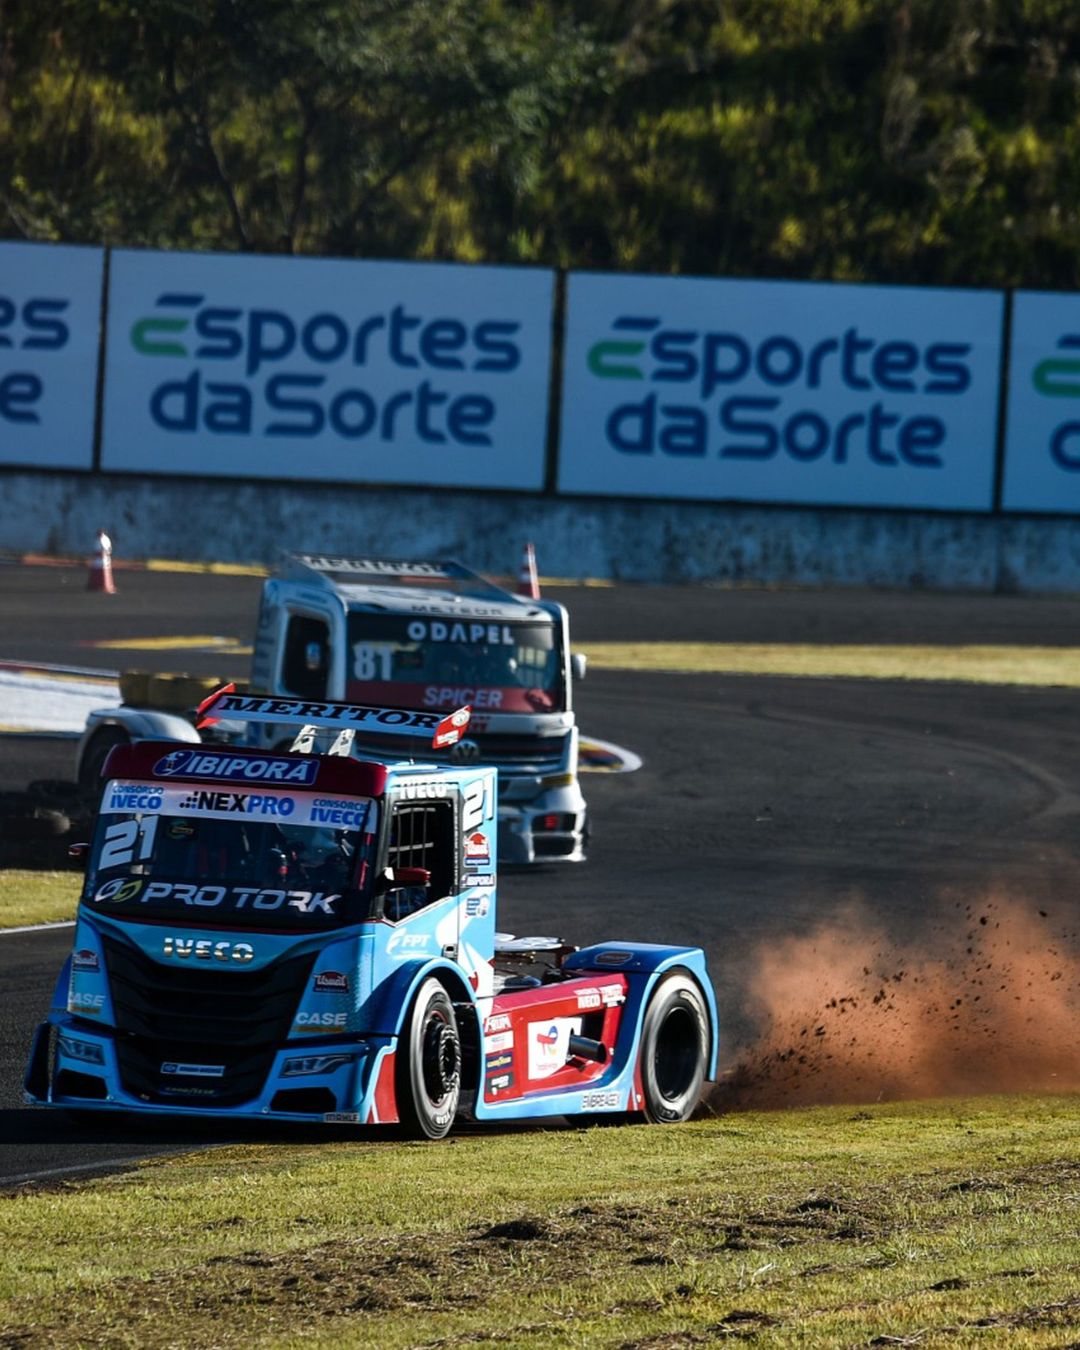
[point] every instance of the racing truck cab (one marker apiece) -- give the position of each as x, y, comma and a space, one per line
313, 937
428, 635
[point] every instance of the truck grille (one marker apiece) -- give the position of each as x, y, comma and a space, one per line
232, 1021
528, 754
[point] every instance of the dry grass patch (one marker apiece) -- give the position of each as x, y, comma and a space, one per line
969, 664
37, 897
937, 1224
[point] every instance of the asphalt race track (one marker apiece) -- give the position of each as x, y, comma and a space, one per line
764, 804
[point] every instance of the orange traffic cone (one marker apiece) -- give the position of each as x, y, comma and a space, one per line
99, 576
528, 581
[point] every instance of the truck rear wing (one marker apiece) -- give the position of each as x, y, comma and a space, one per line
321, 715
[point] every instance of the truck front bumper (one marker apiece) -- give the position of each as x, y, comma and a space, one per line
539, 824
76, 1067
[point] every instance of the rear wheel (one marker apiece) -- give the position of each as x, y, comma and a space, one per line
429, 1065
674, 1050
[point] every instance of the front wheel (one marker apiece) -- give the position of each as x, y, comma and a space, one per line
674, 1050
93, 762
429, 1065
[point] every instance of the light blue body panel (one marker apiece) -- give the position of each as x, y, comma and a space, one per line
345, 1016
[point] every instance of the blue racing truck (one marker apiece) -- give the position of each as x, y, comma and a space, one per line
312, 937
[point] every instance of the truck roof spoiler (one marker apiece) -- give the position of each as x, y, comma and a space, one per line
442, 574
321, 715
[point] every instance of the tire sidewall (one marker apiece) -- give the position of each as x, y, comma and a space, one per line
675, 996
94, 760
421, 1117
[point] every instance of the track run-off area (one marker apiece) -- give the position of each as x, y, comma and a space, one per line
882, 870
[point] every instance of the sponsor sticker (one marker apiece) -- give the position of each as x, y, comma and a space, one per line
331, 982
121, 890
319, 1021
234, 803
600, 1101
477, 850
124, 798
89, 1004
496, 1063
548, 1045
208, 949
212, 764
497, 1022
476, 906
85, 959
341, 1118
613, 958
171, 1067
502, 1040
405, 944
502, 1082
272, 801
490, 634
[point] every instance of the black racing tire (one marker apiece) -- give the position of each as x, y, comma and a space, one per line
674, 1050
428, 1076
93, 761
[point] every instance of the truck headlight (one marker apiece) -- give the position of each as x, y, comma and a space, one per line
303, 1065
557, 780
87, 1052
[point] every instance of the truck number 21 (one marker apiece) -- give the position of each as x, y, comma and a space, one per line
478, 804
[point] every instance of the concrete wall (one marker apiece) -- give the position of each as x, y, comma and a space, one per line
58, 513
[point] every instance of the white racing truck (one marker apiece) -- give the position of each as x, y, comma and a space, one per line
429, 635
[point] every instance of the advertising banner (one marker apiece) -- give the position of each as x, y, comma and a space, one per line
1042, 426
315, 369
780, 392
50, 321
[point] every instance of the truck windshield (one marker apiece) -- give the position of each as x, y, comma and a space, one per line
198, 855
427, 662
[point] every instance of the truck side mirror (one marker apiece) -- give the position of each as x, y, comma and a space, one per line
79, 852
403, 876
409, 876
578, 662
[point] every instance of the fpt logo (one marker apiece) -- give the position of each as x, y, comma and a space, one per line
1059, 377
847, 396
383, 377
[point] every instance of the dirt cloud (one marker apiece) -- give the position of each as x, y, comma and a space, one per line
989, 1001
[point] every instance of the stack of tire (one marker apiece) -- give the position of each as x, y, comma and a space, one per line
38, 824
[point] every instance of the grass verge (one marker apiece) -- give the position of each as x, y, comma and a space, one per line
969, 664
37, 897
951, 1223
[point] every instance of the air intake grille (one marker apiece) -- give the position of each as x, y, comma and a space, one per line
532, 754
229, 1023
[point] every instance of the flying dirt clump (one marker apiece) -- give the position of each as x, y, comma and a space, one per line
989, 1002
